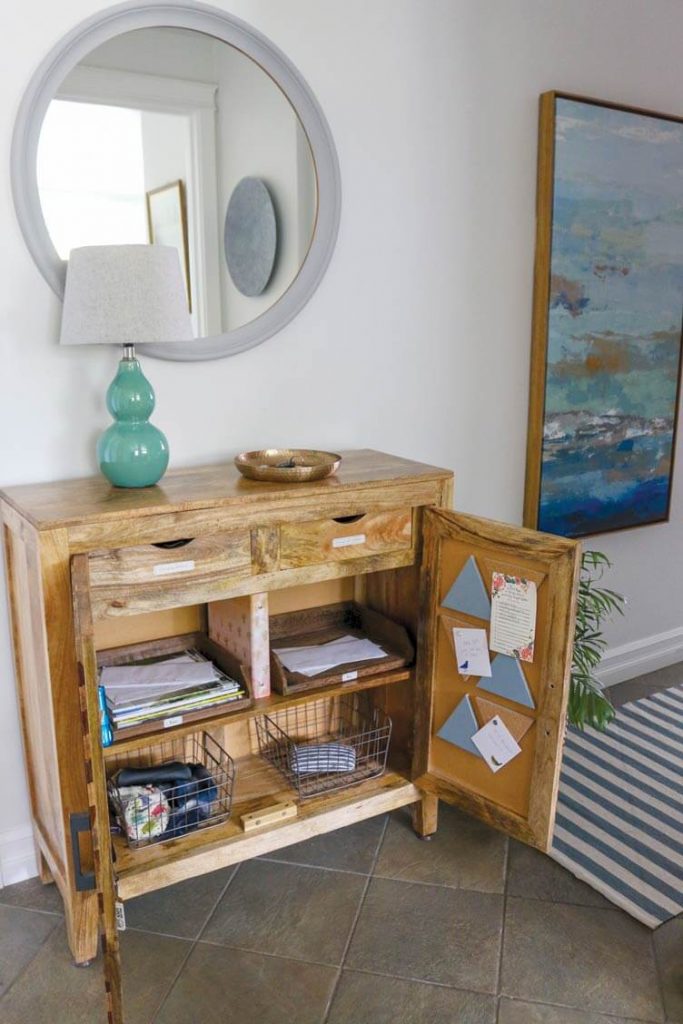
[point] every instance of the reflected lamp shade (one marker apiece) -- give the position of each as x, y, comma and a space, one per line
123, 295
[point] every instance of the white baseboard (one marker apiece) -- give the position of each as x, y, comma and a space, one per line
641, 656
17, 855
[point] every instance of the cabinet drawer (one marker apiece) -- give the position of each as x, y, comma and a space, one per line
220, 554
335, 540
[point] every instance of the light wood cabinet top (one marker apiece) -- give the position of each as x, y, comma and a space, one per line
93, 499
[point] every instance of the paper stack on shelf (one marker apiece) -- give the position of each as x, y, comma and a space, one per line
312, 659
166, 688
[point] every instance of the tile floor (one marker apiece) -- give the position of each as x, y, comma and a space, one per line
365, 926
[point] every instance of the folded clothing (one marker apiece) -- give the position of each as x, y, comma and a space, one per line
145, 810
175, 799
319, 758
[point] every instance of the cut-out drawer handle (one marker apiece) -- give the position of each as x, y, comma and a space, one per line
349, 519
168, 545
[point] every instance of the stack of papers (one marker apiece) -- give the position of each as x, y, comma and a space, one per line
165, 688
316, 658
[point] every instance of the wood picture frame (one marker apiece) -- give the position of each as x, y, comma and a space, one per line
605, 378
167, 224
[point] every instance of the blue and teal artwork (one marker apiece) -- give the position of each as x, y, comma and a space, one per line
614, 320
468, 593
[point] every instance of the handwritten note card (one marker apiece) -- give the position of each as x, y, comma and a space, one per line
472, 652
496, 744
513, 616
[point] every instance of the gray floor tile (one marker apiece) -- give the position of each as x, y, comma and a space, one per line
347, 849
584, 957
22, 933
33, 895
669, 952
218, 986
464, 853
429, 933
52, 991
374, 999
288, 910
515, 1012
534, 876
180, 909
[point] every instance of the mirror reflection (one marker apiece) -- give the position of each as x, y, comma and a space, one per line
148, 139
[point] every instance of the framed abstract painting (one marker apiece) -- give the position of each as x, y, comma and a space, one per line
608, 309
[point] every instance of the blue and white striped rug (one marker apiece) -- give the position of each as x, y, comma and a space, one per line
619, 823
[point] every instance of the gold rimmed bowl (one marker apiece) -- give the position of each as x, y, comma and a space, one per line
287, 465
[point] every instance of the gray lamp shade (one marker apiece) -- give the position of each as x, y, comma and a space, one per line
124, 294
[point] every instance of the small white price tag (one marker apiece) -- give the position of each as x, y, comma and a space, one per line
348, 677
170, 568
170, 722
120, 916
348, 542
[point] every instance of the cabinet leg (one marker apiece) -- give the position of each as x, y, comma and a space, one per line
425, 816
44, 872
82, 926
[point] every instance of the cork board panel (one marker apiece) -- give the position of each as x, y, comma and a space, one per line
509, 788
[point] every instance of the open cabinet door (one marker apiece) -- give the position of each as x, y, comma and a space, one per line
461, 555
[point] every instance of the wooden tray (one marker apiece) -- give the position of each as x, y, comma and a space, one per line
320, 625
176, 645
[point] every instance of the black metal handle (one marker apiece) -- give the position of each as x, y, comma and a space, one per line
80, 822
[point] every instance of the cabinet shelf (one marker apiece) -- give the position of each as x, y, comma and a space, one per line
257, 783
266, 705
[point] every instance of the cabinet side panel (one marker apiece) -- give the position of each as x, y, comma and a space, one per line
35, 701
52, 575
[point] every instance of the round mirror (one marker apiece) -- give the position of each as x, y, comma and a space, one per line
195, 132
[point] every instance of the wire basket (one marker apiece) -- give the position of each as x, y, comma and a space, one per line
328, 744
164, 809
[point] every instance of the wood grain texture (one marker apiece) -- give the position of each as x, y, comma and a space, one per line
327, 540
220, 554
59, 689
143, 599
93, 500
228, 844
97, 786
539, 327
49, 524
521, 798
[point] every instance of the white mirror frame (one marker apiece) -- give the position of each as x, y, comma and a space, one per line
198, 17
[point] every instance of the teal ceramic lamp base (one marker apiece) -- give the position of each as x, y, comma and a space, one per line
132, 452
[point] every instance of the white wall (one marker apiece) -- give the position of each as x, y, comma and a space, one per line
258, 135
417, 340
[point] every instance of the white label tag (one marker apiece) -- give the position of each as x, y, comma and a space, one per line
120, 916
348, 677
176, 720
170, 568
348, 542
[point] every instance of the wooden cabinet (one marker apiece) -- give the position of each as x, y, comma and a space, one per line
92, 568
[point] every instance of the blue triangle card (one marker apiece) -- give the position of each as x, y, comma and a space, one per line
460, 727
468, 593
507, 680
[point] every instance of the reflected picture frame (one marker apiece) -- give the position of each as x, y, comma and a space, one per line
167, 224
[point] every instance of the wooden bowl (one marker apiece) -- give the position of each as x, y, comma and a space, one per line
287, 465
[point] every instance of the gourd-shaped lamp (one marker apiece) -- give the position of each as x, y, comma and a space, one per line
123, 295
